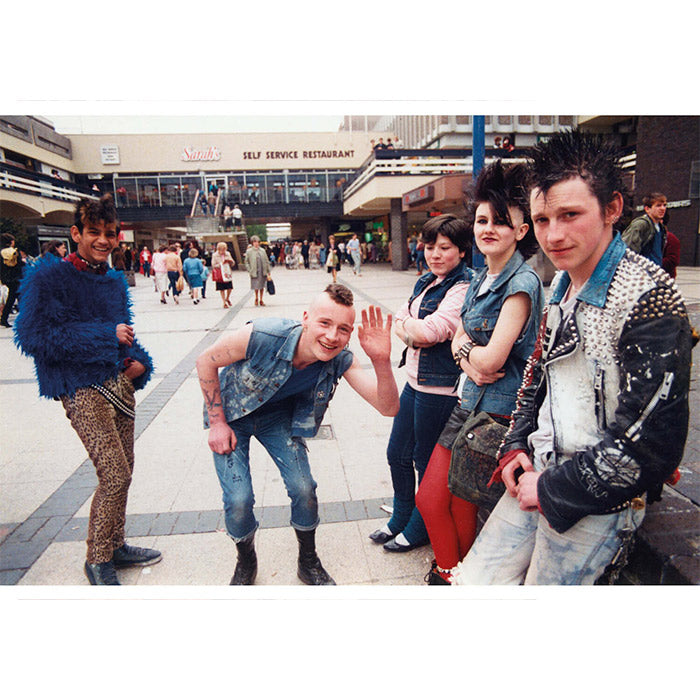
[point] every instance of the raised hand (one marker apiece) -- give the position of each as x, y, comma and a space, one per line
375, 335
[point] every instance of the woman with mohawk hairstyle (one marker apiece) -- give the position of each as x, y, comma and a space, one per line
499, 320
602, 415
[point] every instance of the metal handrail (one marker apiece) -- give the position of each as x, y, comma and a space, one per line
195, 203
436, 163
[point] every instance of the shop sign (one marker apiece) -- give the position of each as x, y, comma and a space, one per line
296, 155
109, 153
422, 194
190, 154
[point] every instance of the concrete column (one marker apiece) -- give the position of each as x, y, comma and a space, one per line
323, 230
398, 231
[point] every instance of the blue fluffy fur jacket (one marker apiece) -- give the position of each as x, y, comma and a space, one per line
67, 323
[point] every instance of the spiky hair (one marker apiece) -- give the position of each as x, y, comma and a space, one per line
504, 187
91, 211
574, 153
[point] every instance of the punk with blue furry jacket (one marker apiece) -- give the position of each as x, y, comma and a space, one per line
67, 323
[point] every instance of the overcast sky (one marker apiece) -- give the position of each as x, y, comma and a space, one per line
188, 124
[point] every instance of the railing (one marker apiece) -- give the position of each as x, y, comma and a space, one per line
41, 186
422, 162
195, 204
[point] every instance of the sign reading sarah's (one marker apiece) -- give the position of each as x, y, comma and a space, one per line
191, 154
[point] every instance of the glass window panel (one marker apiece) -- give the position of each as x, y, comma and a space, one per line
125, 187
234, 189
170, 193
255, 185
297, 187
189, 184
316, 187
148, 191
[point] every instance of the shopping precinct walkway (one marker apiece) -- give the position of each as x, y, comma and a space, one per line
46, 482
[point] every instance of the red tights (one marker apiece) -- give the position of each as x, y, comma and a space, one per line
451, 521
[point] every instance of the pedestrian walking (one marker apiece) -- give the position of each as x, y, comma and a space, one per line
258, 265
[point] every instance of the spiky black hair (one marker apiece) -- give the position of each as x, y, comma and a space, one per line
575, 153
504, 187
91, 211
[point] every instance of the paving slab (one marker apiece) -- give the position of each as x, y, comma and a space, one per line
175, 499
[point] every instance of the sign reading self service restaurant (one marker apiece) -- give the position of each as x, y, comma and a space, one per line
212, 153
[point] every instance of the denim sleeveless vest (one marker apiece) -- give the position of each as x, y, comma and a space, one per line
250, 383
479, 317
436, 366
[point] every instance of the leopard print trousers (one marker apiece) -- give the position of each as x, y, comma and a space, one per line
108, 437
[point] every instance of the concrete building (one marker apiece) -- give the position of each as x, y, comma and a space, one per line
666, 152
314, 184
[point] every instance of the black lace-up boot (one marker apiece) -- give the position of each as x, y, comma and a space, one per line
310, 570
247, 564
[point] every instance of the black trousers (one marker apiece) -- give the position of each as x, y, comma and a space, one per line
12, 288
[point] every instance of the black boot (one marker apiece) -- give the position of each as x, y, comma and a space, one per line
247, 564
310, 570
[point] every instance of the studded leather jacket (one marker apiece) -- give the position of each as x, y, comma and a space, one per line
618, 372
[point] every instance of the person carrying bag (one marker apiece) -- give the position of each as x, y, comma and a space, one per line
500, 318
473, 459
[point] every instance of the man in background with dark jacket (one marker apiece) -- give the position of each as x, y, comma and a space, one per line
646, 234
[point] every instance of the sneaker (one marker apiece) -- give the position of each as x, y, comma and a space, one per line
101, 574
127, 555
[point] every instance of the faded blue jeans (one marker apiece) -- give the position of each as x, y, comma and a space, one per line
271, 425
517, 546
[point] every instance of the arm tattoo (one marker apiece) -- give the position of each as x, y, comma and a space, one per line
212, 399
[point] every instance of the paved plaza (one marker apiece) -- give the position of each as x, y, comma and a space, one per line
174, 503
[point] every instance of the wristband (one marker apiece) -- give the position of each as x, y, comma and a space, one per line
463, 352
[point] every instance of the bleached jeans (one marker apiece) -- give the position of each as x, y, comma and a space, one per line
517, 546
271, 426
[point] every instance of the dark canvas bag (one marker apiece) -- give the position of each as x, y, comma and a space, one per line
473, 459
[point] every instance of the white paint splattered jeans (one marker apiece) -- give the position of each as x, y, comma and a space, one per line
517, 546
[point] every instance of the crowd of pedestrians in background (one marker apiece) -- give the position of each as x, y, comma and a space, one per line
588, 393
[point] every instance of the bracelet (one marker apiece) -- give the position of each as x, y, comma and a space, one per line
406, 337
463, 352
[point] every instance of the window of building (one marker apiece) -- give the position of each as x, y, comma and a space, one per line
148, 192
694, 189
